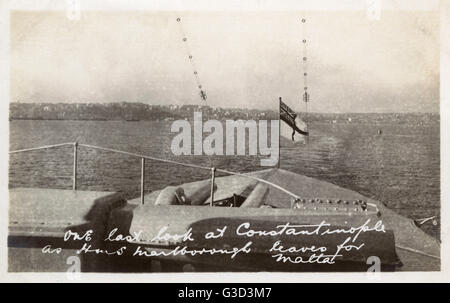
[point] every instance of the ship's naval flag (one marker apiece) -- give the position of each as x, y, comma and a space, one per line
292, 126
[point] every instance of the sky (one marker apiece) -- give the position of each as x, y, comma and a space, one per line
243, 59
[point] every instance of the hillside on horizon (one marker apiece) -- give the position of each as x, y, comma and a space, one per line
140, 111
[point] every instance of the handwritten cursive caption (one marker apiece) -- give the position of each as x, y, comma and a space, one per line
185, 244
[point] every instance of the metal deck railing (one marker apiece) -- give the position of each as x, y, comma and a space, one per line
213, 170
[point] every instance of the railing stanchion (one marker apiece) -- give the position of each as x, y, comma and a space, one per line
142, 179
213, 176
75, 163
143, 157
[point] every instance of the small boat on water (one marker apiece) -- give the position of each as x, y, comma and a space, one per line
277, 211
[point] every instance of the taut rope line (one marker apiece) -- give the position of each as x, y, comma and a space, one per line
192, 61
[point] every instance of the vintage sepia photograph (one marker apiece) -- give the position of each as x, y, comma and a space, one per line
176, 140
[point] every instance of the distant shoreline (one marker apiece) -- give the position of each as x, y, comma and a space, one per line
134, 112
369, 120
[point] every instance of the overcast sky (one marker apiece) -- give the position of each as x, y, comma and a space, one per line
244, 59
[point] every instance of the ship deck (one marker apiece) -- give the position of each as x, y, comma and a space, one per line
50, 212
417, 250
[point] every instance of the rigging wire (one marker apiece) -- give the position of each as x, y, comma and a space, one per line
305, 58
185, 41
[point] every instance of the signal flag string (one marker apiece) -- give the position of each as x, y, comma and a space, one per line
192, 61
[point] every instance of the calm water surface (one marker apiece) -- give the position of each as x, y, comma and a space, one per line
400, 167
